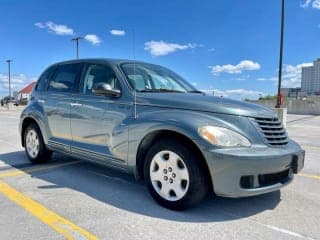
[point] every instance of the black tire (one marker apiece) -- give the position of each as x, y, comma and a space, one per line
43, 154
198, 184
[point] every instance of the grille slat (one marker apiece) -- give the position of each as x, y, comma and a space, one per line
281, 131
268, 123
270, 127
272, 130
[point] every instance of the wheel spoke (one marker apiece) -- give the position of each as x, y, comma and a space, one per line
165, 189
182, 174
156, 176
179, 191
160, 161
173, 159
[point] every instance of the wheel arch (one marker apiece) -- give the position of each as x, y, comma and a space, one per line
155, 135
25, 123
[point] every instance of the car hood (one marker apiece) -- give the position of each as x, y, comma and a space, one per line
203, 103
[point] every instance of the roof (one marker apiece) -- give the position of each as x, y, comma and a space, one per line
109, 60
28, 89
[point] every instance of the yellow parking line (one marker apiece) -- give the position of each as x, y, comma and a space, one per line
58, 223
310, 176
27, 170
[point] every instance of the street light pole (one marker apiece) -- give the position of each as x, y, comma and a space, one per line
9, 79
9, 76
76, 39
278, 105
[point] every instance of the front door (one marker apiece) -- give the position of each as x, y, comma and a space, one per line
98, 123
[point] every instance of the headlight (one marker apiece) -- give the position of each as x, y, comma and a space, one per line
223, 137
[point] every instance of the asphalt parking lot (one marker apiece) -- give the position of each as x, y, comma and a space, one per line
72, 199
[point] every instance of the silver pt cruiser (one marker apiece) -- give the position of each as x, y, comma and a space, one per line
144, 119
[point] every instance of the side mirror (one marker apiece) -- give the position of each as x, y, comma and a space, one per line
105, 89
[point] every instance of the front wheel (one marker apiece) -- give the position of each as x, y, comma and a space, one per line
174, 176
34, 145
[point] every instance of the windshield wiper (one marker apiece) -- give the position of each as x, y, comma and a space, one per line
196, 91
147, 90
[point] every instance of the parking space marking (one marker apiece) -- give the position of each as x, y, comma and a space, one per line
58, 223
311, 146
27, 170
317, 177
274, 228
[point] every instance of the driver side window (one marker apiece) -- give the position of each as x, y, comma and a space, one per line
96, 74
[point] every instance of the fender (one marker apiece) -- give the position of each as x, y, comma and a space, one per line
184, 122
34, 112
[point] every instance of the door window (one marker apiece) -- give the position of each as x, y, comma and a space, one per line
44, 79
99, 74
65, 78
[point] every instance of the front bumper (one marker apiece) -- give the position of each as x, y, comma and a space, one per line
252, 171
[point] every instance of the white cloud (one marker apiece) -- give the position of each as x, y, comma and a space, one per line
292, 75
18, 81
92, 38
241, 78
117, 32
40, 25
52, 27
19, 78
262, 79
59, 29
273, 79
211, 49
305, 4
161, 48
239, 94
244, 65
316, 4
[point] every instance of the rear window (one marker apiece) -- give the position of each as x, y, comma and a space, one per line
65, 78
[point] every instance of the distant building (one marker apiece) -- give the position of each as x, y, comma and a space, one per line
25, 93
291, 92
310, 78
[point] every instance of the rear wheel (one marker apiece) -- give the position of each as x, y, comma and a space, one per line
34, 145
174, 177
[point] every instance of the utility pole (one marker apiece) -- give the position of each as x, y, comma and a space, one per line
77, 39
278, 105
9, 79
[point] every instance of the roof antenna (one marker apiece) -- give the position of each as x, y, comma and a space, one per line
134, 76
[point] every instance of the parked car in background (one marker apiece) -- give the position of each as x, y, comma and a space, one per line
146, 120
6, 100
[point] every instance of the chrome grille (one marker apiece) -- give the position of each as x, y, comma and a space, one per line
272, 130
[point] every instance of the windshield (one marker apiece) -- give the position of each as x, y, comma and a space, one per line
152, 78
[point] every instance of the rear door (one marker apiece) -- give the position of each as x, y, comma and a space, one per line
98, 123
57, 104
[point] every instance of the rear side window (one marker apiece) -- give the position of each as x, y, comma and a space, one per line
44, 79
65, 78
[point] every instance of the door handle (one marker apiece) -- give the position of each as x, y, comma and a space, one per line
75, 104
41, 101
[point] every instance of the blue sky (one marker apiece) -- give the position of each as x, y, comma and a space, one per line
230, 46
